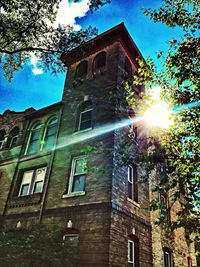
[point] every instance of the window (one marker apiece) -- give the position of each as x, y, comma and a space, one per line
164, 206
32, 181
81, 70
99, 61
132, 183
34, 138
78, 173
167, 257
50, 133
85, 116
133, 251
189, 262
2, 138
13, 137
127, 67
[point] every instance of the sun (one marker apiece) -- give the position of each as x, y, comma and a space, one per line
158, 114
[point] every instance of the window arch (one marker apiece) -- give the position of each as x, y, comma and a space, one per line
133, 251
82, 69
85, 116
13, 137
99, 61
50, 132
2, 138
34, 138
128, 67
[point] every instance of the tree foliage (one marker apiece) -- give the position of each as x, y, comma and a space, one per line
179, 79
27, 28
37, 246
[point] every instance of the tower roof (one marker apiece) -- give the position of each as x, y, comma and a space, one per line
117, 33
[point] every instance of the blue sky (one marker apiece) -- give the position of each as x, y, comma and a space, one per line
30, 90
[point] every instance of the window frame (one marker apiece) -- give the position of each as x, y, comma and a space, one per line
72, 175
32, 130
13, 137
164, 206
2, 141
167, 253
47, 127
132, 183
33, 181
80, 121
133, 241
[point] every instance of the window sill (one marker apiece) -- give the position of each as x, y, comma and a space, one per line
75, 194
133, 202
82, 131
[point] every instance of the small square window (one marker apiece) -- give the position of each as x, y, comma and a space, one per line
78, 174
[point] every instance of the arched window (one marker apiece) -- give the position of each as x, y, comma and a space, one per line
13, 137
99, 61
133, 251
50, 133
81, 70
34, 138
127, 67
167, 257
2, 138
85, 116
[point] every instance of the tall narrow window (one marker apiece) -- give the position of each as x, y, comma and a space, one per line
78, 174
133, 251
99, 61
50, 134
132, 183
2, 138
81, 70
167, 257
34, 139
32, 181
85, 116
164, 206
13, 137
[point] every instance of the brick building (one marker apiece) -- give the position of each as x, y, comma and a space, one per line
47, 174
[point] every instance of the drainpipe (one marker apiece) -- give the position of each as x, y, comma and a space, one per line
50, 167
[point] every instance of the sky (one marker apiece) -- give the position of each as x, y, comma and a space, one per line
33, 88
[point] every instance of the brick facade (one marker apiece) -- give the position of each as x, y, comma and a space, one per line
103, 214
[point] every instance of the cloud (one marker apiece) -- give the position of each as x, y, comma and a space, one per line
34, 61
67, 14
69, 11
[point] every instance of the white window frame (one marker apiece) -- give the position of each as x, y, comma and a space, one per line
1, 144
31, 130
80, 117
132, 181
131, 243
32, 182
15, 137
169, 256
71, 180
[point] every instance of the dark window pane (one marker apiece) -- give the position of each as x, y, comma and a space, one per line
130, 190
87, 115
85, 125
38, 187
24, 190
78, 183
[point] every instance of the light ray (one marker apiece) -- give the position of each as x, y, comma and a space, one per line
83, 136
